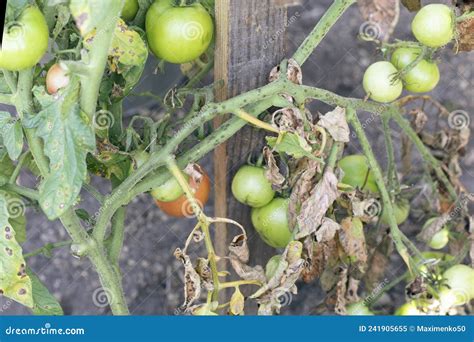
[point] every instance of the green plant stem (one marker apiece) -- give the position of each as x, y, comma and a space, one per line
18, 167
46, 249
117, 235
20, 190
204, 222
334, 154
424, 152
94, 192
97, 60
392, 177
334, 12
374, 166
239, 283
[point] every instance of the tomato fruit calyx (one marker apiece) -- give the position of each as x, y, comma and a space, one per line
250, 186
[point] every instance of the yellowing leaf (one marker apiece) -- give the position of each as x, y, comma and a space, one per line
237, 302
14, 282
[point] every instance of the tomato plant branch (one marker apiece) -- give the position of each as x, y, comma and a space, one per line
117, 235
424, 152
46, 249
323, 26
25, 192
374, 166
392, 177
238, 283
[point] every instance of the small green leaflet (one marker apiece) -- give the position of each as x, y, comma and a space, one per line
6, 166
12, 135
14, 282
67, 137
44, 302
291, 144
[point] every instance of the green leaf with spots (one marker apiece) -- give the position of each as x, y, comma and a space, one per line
128, 48
12, 135
68, 137
92, 14
16, 215
45, 304
291, 144
14, 282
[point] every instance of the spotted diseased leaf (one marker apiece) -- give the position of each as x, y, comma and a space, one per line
335, 123
315, 207
247, 272
92, 14
192, 281
68, 137
44, 302
381, 18
327, 231
352, 239
11, 133
341, 289
289, 119
272, 171
14, 282
16, 212
465, 29
128, 48
62, 17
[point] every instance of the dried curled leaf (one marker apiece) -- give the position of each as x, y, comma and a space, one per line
327, 230
293, 72
335, 123
192, 281
289, 119
381, 18
352, 239
239, 248
247, 272
317, 256
465, 41
272, 171
341, 289
314, 208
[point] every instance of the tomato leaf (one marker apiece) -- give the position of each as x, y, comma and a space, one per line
128, 48
12, 135
291, 144
465, 29
44, 302
16, 211
90, 14
14, 282
412, 5
336, 124
67, 137
62, 17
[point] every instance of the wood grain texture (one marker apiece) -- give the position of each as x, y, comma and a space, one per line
250, 42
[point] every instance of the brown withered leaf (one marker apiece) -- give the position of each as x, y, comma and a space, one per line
352, 239
192, 281
412, 5
289, 119
471, 239
315, 207
202, 268
378, 263
381, 18
335, 123
341, 289
352, 289
465, 41
247, 272
306, 170
327, 230
272, 171
419, 119
239, 248
293, 73
317, 257
367, 210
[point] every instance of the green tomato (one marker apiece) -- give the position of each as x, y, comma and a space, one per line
433, 25
271, 222
380, 84
251, 187
358, 309
423, 77
440, 239
458, 286
357, 173
169, 191
409, 309
272, 266
178, 34
401, 210
24, 41
129, 10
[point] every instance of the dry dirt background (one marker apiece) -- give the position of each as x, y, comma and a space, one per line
152, 276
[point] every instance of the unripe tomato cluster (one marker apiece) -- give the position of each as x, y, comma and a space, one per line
269, 213
433, 27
